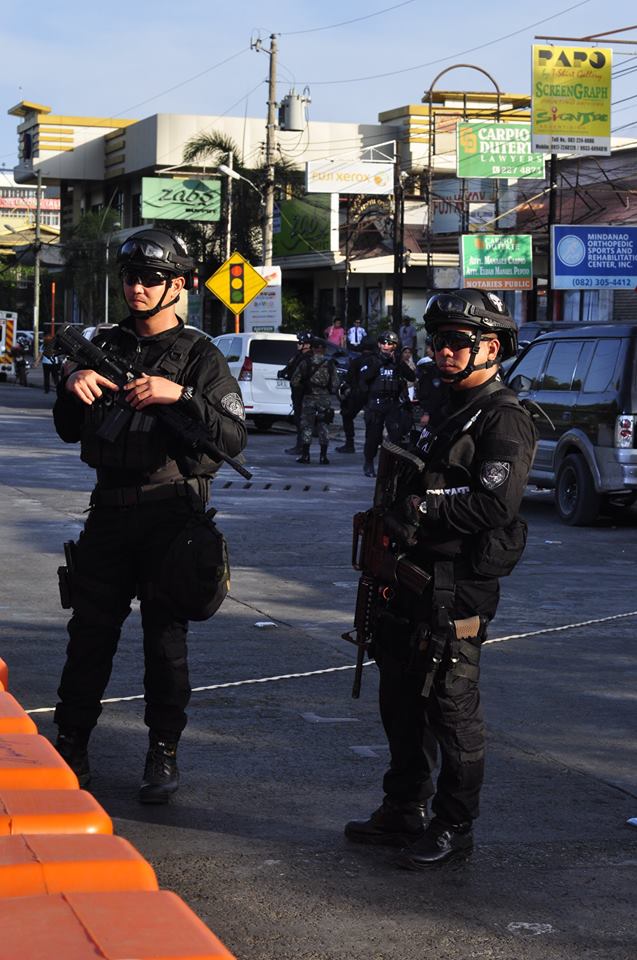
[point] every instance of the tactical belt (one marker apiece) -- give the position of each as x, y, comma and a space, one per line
149, 493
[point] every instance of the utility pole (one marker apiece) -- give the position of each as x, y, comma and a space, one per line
551, 221
36, 271
270, 146
399, 243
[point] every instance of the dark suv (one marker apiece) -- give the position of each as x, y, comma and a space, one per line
585, 380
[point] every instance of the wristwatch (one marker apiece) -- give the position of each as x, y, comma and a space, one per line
186, 394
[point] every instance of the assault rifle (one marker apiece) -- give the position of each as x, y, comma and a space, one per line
372, 553
192, 434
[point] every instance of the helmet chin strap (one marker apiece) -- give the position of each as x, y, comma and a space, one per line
146, 314
471, 365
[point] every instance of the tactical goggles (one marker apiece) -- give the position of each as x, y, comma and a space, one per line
453, 306
146, 248
147, 278
387, 341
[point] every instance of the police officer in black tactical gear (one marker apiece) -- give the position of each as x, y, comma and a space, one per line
286, 373
383, 376
149, 488
456, 518
353, 394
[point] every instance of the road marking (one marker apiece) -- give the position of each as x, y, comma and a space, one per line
375, 751
535, 929
368, 663
314, 718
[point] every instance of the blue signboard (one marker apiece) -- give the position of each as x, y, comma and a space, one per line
594, 258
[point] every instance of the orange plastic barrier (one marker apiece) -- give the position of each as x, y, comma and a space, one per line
51, 811
29, 762
4, 675
13, 719
32, 865
115, 926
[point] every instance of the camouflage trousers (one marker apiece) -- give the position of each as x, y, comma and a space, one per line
316, 411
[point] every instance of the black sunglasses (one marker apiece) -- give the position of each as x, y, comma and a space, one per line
147, 278
453, 339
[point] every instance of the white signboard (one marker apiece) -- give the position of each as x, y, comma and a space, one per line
358, 176
263, 314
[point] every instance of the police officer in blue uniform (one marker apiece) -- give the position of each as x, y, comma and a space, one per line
149, 488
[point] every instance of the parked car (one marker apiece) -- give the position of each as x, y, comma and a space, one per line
584, 378
254, 359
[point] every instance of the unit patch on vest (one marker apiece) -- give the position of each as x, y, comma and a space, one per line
233, 403
493, 473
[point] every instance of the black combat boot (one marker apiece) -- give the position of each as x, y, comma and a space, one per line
323, 457
298, 446
368, 469
161, 776
305, 454
72, 745
393, 824
348, 447
440, 843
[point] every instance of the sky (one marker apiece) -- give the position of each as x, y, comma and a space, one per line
132, 60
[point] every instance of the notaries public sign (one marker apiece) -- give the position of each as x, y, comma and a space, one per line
594, 258
336, 176
497, 151
164, 198
571, 92
497, 262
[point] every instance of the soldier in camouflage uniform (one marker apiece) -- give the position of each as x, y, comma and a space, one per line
316, 376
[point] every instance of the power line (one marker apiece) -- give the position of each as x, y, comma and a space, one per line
453, 56
344, 23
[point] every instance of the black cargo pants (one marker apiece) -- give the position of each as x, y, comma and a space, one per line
119, 553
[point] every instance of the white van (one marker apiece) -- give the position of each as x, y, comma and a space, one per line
255, 359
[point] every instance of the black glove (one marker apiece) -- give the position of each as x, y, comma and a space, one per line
403, 520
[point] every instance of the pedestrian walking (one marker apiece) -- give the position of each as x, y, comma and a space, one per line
147, 510
458, 520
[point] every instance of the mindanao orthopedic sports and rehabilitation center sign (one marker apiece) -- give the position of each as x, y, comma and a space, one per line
165, 198
497, 262
571, 92
594, 257
497, 151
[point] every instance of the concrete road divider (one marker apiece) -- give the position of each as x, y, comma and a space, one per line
13, 718
117, 926
29, 762
51, 811
31, 865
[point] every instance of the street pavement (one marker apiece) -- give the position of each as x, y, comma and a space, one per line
277, 755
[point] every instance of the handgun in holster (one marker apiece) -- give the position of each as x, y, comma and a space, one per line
66, 574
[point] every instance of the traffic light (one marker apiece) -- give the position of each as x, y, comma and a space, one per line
237, 283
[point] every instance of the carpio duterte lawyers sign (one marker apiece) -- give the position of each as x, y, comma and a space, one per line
361, 176
497, 262
497, 151
571, 99
594, 257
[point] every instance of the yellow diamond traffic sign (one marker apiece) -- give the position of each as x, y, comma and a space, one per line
236, 283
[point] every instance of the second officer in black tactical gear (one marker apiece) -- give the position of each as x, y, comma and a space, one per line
383, 375
456, 518
316, 377
149, 489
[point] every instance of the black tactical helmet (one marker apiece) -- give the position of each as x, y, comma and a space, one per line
156, 249
480, 309
387, 337
304, 337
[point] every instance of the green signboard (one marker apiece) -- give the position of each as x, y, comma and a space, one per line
498, 151
497, 262
164, 198
302, 225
